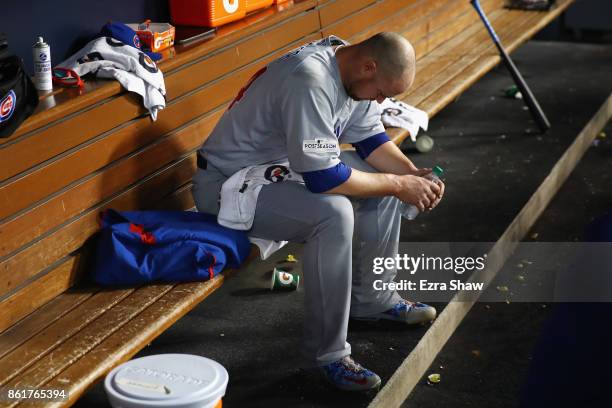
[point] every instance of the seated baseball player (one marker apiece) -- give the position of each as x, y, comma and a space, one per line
298, 110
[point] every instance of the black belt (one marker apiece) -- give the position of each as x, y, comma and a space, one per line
202, 162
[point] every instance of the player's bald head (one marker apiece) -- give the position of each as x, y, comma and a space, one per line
394, 56
377, 68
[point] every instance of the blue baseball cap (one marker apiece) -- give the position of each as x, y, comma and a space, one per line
126, 35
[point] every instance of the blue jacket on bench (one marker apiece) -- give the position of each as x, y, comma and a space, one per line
138, 247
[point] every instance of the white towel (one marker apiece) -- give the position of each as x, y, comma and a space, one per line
135, 71
239, 199
399, 114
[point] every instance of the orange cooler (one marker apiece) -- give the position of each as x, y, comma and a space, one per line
252, 5
208, 13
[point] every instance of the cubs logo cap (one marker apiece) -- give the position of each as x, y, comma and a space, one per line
128, 36
18, 97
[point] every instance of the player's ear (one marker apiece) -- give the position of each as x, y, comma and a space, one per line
369, 67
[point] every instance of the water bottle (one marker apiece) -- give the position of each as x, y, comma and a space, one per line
42, 65
410, 211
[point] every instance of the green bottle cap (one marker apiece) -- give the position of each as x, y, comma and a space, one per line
438, 171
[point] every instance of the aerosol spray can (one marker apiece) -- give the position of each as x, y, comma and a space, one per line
42, 65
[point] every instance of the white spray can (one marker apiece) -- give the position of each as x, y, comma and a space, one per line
42, 65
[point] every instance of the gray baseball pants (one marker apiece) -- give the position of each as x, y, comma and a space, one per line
341, 237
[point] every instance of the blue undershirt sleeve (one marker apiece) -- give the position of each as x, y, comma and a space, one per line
367, 146
322, 180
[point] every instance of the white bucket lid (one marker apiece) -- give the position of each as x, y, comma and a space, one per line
167, 380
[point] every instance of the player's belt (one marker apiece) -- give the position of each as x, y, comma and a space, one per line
202, 162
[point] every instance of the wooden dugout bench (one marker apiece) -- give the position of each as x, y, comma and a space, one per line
80, 154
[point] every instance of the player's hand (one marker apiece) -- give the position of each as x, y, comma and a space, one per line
420, 172
435, 203
419, 191
428, 174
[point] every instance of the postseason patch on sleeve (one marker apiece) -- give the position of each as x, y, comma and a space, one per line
319, 146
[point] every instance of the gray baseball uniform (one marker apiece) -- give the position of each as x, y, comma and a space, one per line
296, 108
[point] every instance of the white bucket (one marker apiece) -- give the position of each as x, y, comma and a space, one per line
167, 380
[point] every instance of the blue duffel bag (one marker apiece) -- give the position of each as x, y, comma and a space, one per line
137, 247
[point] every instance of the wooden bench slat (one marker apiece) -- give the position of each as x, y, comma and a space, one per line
58, 332
441, 65
36, 322
17, 231
90, 336
332, 11
439, 33
41, 219
212, 66
142, 329
53, 176
31, 297
252, 25
67, 133
352, 24
80, 128
62, 242
26, 262
53, 247
462, 81
436, 101
447, 55
426, 24
12, 308
450, 13
413, 15
545, 18
414, 20
64, 102
67, 102
433, 98
509, 28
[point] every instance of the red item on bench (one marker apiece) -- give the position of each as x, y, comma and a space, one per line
206, 13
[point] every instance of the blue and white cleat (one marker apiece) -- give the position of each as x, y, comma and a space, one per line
405, 311
347, 375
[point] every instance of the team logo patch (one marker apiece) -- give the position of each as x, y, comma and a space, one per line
7, 106
136, 41
277, 173
147, 63
319, 146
